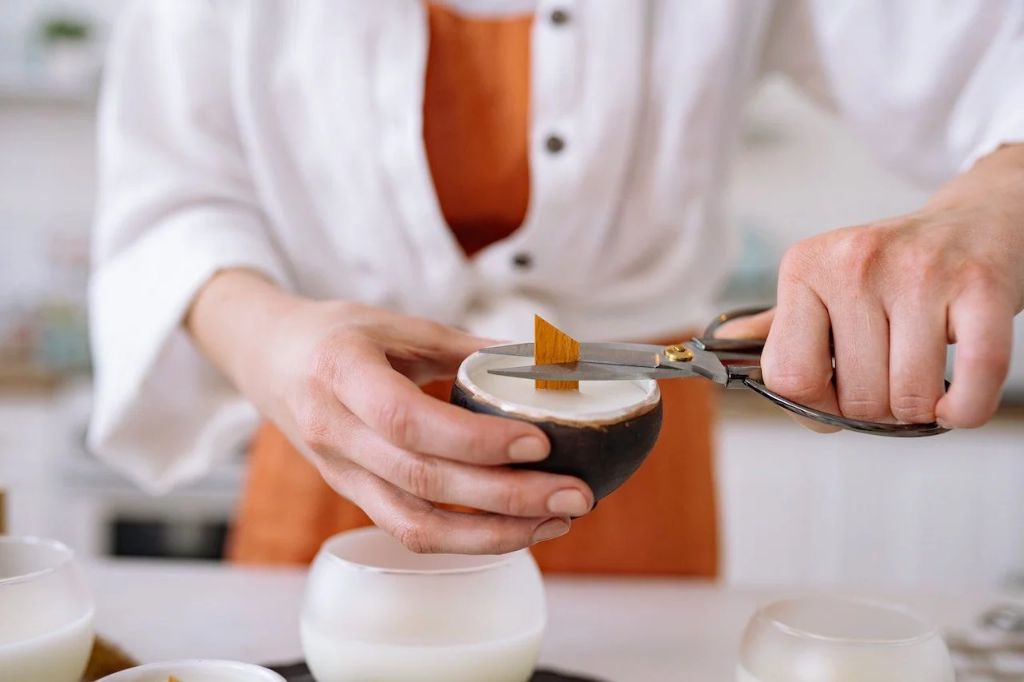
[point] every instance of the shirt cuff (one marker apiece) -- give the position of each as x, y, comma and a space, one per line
163, 415
1009, 132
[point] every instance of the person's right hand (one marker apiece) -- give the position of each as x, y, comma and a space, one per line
341, 381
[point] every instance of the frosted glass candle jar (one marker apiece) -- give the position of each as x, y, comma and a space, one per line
374, 610
46, 612
839, 639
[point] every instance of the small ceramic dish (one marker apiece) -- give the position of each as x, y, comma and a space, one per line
196, 670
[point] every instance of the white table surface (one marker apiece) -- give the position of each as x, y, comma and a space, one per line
622, 630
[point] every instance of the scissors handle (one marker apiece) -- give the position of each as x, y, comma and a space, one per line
873, 428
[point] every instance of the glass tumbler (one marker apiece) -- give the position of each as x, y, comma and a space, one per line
46, 612
373, 610
839, 639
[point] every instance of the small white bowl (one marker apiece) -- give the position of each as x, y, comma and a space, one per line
196, 670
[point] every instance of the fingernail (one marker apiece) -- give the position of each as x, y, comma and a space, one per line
568, 502
527, 449
549, 530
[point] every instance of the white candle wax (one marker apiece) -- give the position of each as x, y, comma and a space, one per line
595, 401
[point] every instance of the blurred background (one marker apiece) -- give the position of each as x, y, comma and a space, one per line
796, 508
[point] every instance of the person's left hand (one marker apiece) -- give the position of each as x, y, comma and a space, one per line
892, 295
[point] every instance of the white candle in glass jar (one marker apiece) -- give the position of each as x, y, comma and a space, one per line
50, 657
837, 639
505, 660
46, 612
376, 611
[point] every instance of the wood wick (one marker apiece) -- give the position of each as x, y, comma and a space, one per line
552, 345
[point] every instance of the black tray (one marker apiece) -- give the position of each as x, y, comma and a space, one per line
298, 672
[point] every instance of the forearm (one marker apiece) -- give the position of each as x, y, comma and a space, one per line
231, 317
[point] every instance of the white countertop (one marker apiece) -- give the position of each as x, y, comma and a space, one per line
621, 630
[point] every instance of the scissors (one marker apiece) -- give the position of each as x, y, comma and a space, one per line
733, 363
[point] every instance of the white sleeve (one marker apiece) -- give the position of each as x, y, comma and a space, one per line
176, 205
930, 86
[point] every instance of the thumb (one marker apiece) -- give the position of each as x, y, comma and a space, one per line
425, 350
749, 327
449, 346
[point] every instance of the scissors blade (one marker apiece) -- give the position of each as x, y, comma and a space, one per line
634, 354
523, 350
589, 371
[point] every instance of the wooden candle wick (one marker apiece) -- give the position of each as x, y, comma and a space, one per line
551, 345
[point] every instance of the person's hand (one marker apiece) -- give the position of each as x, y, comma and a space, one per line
341, 381
892, 295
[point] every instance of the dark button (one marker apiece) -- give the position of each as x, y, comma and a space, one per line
559, 17
522, 261
554, 144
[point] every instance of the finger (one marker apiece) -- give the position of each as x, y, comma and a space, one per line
512, 492
917, 360
423, 528
797, 361
393, 406
749, 327
981, 323
860, 338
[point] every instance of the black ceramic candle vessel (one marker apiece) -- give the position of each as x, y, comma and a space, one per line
601, 433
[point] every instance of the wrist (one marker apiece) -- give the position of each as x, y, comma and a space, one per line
989, 198
232, 316
995, 181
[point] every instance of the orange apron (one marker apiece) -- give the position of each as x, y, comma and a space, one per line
476, 132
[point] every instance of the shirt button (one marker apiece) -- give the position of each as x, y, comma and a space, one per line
522, 261
554, 144
560, 17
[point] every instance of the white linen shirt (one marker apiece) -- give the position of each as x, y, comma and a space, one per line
287, 137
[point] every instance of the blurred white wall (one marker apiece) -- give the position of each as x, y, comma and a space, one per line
20, 16
811, 509
47, 155
801, 172
47, 160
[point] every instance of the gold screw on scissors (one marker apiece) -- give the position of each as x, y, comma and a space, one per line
678, 353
